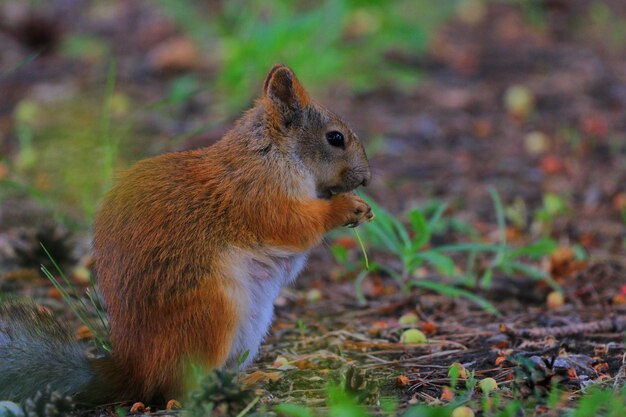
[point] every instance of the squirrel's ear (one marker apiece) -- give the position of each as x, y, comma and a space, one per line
283, 88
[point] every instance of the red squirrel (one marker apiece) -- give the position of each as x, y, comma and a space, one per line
192, 248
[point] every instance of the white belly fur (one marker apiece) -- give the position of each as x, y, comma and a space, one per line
260, 278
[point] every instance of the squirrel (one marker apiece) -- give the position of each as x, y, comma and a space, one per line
191, 249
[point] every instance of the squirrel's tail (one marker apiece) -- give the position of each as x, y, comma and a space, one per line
36, 351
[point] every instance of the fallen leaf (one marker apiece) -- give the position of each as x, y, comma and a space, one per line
482, 128
551, 164
447, 394
595, 125
83, 333
402, 381
260, 376
619, 299
601, 367
429, 328
54, 293
376, 327
563, 263
619, 202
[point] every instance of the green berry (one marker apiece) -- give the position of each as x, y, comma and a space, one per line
413, 336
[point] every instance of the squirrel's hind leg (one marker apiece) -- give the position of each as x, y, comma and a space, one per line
196, 329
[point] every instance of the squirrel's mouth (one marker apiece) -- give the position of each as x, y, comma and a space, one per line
327, 193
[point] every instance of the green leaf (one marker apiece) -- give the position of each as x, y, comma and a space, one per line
432, 222
341, 404
536, 250
469, 247
451, 291
497, 203
358, 284
534, 273
340, 253
420, 228
386, 239
385, 227
485, 281
443, 263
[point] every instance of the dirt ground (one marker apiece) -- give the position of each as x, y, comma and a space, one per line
451, 139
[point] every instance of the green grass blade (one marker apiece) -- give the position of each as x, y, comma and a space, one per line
358, 286
535, 273
451, 291
534, 250
442, 263
434, 219
469, 247
74, 300
497, 203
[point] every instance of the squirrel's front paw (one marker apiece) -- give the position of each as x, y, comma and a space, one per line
353, 209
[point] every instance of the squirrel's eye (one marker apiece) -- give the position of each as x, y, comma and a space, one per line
335, 139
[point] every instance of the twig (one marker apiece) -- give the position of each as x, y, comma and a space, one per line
248, 407
406, 362
611, 324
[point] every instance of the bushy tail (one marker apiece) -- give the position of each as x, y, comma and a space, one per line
36, 351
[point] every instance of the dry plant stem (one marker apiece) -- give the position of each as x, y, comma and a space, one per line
611, 324
358, 237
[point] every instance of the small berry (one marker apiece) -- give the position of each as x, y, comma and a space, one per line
488, 385
462, 411
408, 319
555, 300
413, 336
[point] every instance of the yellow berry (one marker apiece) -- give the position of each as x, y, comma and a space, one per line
462, 411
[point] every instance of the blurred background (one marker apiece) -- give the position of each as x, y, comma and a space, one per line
450, 97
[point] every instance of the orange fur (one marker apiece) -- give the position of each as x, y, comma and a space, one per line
165, 235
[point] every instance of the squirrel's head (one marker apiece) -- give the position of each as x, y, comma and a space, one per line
316, 136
